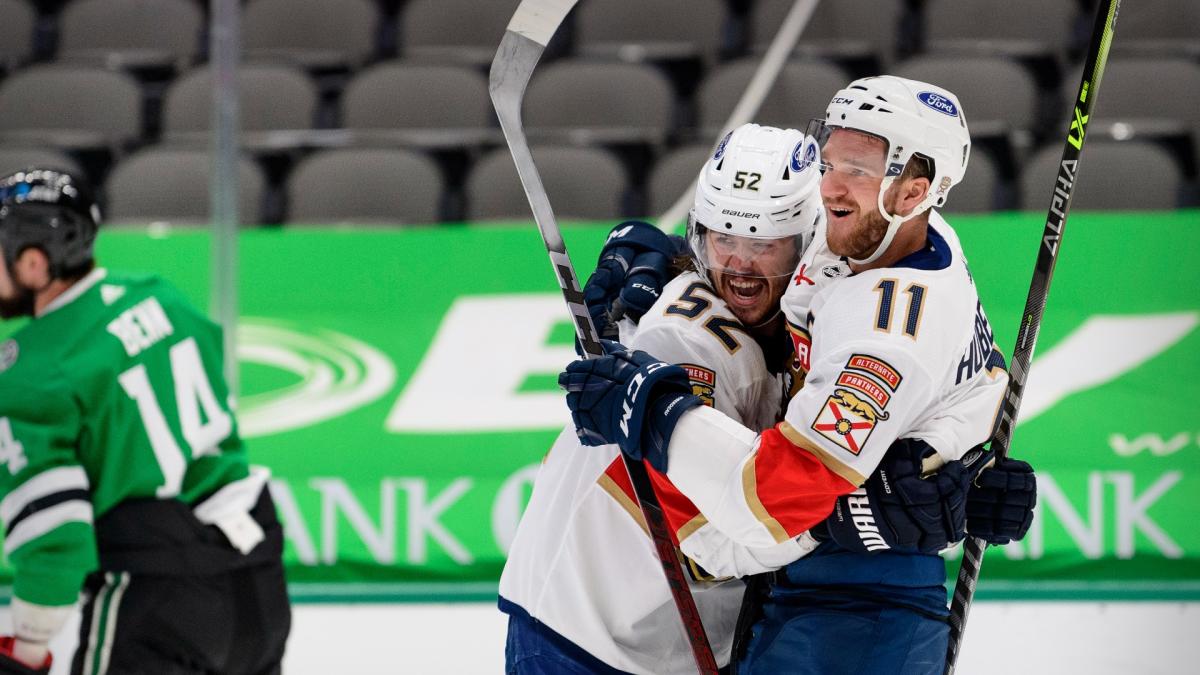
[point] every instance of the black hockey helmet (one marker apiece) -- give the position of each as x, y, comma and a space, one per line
52, 211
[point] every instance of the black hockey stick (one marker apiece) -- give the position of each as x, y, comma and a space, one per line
1035, 302
531, 27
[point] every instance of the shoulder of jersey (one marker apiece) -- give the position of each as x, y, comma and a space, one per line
677, 293
686, 312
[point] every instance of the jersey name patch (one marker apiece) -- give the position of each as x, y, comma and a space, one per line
877, 367
704, 382
847, 420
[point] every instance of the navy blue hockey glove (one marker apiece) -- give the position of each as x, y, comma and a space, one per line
630, 274
1000, 502
629, 398
899, 510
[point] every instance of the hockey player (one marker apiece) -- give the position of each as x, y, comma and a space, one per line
892, 343
570, 611
121, 471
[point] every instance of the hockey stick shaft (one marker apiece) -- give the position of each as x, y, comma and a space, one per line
530, 29
1035, 302
756, 92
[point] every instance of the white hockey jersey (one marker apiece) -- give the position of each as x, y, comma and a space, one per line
582, 561
902, 351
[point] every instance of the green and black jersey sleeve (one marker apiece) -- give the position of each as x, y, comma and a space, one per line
114, 393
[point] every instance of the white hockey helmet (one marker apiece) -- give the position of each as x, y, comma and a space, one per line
761, 183
912, 118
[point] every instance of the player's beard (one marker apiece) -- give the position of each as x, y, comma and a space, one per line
752, 310
21, 304
860, 240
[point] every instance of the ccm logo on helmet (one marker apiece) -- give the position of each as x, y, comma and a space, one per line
940, 103
631, 394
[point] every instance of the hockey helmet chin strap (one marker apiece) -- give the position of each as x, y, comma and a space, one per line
894, 221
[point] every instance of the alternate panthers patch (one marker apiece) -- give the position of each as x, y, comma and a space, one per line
877, 367
704, 382
9, 351
847, 420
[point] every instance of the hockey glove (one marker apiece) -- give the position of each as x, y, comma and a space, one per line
1000, 502
899, 510
629, 398
630, 274
11, 665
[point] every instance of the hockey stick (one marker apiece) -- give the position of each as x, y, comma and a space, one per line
531, 27
756, 92
1035, 302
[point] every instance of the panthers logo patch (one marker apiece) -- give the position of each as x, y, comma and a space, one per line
704, 382
847, 420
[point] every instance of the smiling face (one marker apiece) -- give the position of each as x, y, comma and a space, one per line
854, 164
749, 274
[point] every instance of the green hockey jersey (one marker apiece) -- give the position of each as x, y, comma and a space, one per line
115, 392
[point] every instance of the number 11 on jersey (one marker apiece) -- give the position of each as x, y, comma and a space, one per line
886, 288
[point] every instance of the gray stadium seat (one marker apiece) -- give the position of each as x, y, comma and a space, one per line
130, 32
636, 30
16, 32
582, 183
992, 89
838, 29
167, 184
365, 186
1164, 27
1024, 28
453, 31
800, 93
70, 106
1144, 88
977, 191
16, 158
675, 172
272, 97
400, 95
1112, 176
317, 34
612, 102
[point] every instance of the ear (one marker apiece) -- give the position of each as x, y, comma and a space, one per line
32, 268
909, 194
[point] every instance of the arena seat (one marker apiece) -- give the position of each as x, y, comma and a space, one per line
365, 186
582, 183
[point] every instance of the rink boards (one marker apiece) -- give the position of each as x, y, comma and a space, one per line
401, 386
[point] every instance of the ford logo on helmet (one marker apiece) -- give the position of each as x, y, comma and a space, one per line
938, 102
721, 146
803, 155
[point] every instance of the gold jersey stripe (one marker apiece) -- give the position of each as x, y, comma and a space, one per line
610, 486
750, 488
832, 463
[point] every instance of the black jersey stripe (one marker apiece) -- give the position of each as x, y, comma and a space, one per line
46, 502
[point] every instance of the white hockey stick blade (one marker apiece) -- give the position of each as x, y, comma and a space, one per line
530, 29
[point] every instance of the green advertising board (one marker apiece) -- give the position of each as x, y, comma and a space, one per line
400, 384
